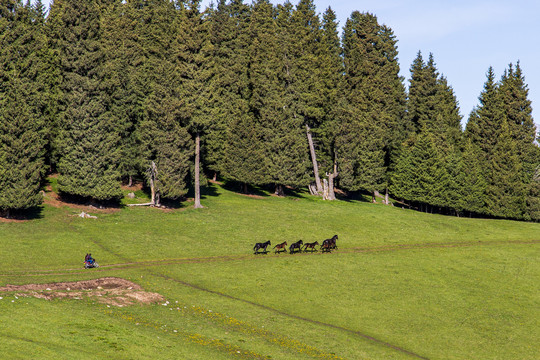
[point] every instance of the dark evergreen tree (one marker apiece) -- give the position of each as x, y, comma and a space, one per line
473, 183
533, 196
228, 92
246, 159
372, 112
485, 120
505, 192
89, 139
22, 128
420, 172
162, 132
123, 56
331, 70
305, 72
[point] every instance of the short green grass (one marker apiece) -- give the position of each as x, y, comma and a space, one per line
402, 285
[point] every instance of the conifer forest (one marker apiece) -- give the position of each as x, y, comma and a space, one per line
102, 92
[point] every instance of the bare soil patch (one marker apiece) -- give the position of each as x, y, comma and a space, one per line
53, 199
109, 290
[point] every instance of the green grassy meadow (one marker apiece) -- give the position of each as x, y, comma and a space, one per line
402, 285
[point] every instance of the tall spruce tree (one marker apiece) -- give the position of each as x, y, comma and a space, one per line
485, 121
246, 160
162, 132
505, 192
227, 83
513, 95
123, 56
286, 146
374, 103
331, 70
419, 172
473, 184
89, 138
305, 72
23, 50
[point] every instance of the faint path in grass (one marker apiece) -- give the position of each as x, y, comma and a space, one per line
153, 263
297, 317
224, 258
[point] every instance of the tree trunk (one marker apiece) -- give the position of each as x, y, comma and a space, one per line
328, 192
386, 200
245, 188
152, 177
279, 190
197, 204
314, 160
130, 181
215, 176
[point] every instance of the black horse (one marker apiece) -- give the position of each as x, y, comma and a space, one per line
329, 244
296, 247
261, 246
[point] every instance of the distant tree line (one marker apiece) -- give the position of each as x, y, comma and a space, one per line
101, 91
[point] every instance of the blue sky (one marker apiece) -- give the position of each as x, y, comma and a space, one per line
466, 37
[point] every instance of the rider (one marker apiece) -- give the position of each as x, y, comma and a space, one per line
88, 258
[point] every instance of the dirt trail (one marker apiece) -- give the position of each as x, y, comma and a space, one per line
224, 258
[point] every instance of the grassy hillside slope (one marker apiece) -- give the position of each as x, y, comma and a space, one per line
403, 284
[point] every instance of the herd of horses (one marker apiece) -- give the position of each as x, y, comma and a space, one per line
327, 246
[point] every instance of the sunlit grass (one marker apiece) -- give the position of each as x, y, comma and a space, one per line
401, 283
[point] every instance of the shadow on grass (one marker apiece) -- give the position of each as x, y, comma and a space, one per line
261, 191
354, 196
33, 213
86, 201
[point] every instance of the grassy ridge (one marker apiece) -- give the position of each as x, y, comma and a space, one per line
374, 298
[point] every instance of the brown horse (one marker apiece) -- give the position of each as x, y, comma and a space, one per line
311, 246
280, 247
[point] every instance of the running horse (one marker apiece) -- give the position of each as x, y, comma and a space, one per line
311, 246
280, 247
329, 244
259, 246
296, 247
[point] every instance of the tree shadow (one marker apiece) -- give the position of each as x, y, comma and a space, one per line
33, 213
354, 196
244, 189
70, 199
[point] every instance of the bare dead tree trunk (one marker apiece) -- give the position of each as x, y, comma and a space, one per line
197, 204
153, 172
314, 160
328, 193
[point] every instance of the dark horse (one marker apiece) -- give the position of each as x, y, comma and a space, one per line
280, 247
329, 244
259, 246
296, 247
311, 246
